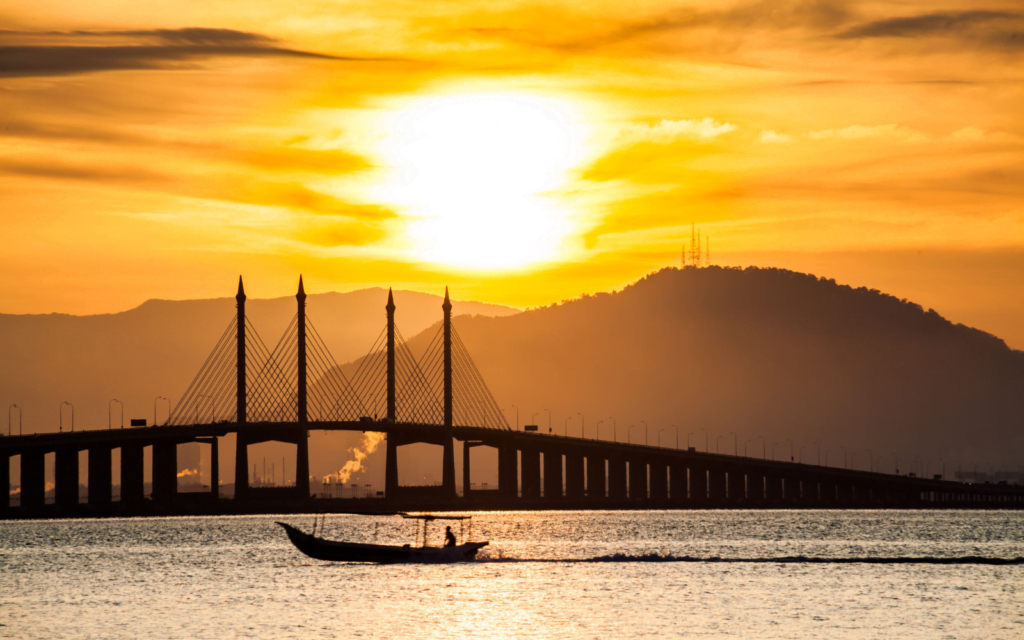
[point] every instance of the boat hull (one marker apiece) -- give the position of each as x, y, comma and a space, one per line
333, 551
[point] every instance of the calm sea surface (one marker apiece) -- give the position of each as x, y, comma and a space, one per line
238, 577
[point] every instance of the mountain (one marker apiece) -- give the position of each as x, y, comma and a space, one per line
760, 353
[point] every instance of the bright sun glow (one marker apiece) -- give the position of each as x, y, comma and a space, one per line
477, 174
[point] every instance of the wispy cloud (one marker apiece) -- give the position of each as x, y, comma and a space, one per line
56, 53
989, 29
771, 137
667, 131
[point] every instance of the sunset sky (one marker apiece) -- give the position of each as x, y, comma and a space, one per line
519, 152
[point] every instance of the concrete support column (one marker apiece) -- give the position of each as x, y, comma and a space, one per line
466, 446
100, 470
773, 489
574, 476
735, 477
638, 479
5, 482
241, 467
448, 466
531, 472
508, 472
301, 463
698, 484
552, 474
678, 482
659, 480
33, 479
716, 486
596, 478
617, 478
133, 477
165, 472
65, 475
391, 467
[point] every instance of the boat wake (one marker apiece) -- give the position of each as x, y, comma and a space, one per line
654, 557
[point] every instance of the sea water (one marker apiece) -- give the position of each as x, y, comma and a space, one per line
702, 574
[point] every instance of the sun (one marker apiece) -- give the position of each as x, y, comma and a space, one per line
477, 176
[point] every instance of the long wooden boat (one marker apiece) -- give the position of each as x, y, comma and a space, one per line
335, 551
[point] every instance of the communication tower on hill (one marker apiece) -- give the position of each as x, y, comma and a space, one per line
696, 255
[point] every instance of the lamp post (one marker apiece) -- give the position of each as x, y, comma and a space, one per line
735, 444
597, 435
13, 406
688, 440
62, 416
705, 439
109, 411
583, 425
533, 419
565, 431
168, 409
629, 434
615, 429
645, 432
659, 437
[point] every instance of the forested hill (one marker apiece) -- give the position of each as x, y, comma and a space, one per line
759, 352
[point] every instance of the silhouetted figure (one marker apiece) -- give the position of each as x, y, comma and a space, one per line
449, 537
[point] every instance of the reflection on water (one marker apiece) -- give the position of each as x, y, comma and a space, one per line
239, 577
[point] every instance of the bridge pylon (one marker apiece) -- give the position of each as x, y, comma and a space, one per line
241, 446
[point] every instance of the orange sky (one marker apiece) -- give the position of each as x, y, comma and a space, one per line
519, 152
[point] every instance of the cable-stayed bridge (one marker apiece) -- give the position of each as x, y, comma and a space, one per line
262, 394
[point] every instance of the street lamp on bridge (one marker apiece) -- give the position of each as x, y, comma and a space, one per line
13, 406
110, 410
597, 429
688, 440
168, 409
565, 430
629, 433
615, 429
718, 444
62, 416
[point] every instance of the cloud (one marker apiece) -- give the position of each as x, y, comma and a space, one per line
771, 137
76, 52
668, 131
989, 29
860, 132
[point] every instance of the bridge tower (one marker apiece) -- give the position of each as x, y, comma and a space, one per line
302, 438
391, 460
241, 446
448, 461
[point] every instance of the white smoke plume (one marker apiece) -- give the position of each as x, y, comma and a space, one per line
188, 473
371, 440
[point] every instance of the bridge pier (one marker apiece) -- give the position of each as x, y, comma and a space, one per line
100, 470
508, 471
717, 486
215, 467
65, 476
574, 476
698, 485
530, 471
391, 467
33, 479
552, 475
596, 477
448, 466
617, 478
165, 472
659, 480
5, 481
133, 478
637, 479
678, 481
